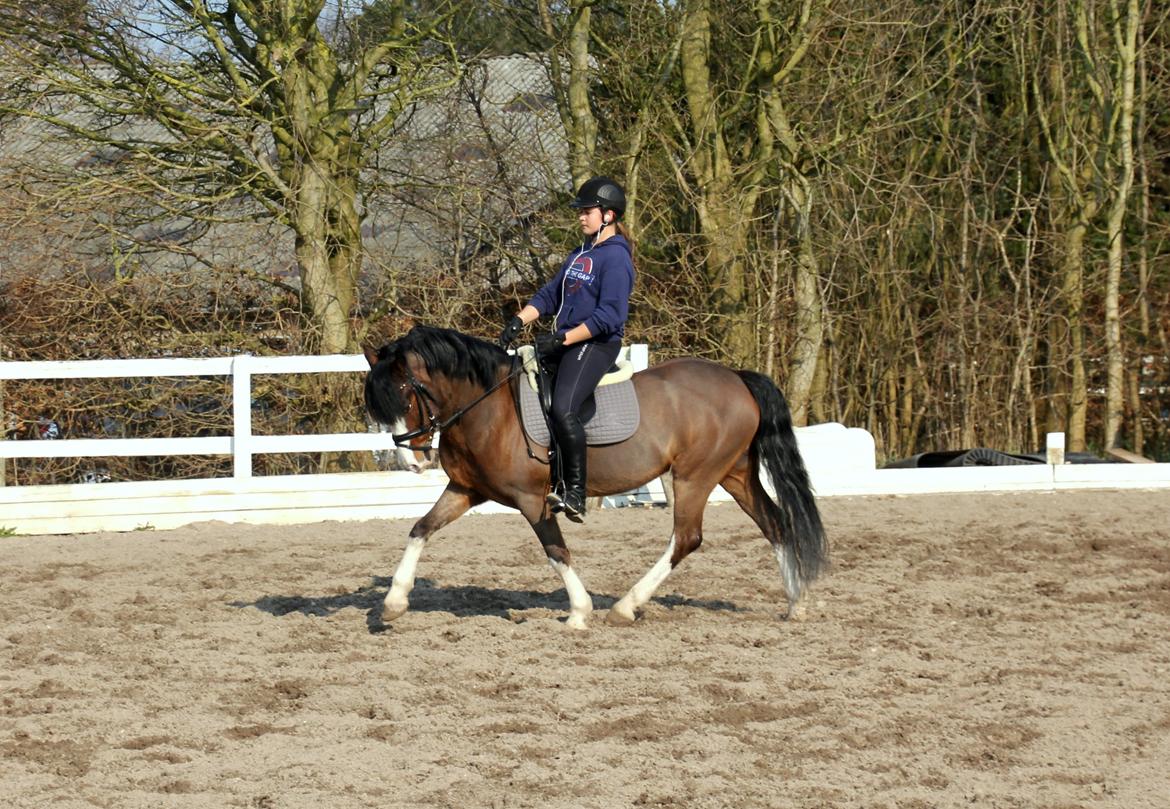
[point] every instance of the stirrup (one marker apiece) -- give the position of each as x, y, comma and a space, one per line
561, 505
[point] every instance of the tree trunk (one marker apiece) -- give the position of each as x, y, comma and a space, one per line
1114, 393
782, 145
725, 239
572, 93
1143, 262
810, 327
318, 164
325, 262
1133, 382
1073, 297
1072, 139
583, 137
720, 205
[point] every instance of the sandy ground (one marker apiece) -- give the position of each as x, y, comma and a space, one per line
975, 650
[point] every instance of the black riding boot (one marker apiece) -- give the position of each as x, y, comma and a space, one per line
571, 448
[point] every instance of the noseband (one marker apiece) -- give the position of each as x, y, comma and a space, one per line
431, 423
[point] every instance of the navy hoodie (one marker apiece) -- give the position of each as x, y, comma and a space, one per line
592, 287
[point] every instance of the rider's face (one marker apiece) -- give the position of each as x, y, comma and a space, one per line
590, 219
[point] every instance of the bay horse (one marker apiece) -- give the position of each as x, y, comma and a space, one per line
705, 423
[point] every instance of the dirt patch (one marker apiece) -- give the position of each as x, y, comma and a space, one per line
975, 650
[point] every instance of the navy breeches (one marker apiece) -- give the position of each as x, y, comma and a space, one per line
580, 368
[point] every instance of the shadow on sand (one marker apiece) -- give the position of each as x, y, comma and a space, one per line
461, 601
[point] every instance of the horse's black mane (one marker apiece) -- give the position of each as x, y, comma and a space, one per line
450, 352
443, 351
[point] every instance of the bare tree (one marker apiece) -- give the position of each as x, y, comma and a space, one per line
240, 110
572, 86
1124, 32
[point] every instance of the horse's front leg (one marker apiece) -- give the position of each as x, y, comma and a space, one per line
544, 523
454, 501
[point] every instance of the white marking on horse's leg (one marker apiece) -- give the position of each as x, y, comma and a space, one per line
580, 603
790, 573
640, 593
397, 600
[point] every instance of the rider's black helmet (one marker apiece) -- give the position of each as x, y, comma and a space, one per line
603, 193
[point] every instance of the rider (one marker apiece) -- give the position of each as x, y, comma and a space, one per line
590, 297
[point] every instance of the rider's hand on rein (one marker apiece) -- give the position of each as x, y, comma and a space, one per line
511, 330
547, 344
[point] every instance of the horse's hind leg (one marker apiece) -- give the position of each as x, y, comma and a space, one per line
744, 486
690, 498
453, 502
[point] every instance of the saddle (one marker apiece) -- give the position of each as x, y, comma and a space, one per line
609, 415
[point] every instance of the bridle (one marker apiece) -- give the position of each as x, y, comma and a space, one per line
431, 422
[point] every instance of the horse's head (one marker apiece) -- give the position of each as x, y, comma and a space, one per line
390, 394
411, 379
392, 403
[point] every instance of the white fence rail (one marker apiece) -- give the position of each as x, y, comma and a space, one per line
241, 444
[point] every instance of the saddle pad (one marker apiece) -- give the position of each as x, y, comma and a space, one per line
621, 371
614, 419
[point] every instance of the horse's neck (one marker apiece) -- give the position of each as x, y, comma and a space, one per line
481, 423
458, 395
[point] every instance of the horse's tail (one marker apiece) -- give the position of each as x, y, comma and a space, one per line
794, 514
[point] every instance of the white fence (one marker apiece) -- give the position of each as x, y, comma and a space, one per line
241, 445
840, 460
120, 506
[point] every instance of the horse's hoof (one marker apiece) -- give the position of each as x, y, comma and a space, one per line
577, 622
618, 616
797, 612
392, 611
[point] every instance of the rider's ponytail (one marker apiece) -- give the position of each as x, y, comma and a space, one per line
624, 232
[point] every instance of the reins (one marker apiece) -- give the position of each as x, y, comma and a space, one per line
433, 425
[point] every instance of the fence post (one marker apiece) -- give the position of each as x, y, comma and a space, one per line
1054, 448
242, 416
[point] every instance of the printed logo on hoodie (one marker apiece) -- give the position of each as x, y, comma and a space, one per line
580, 273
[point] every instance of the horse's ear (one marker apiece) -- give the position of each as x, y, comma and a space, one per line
371, 355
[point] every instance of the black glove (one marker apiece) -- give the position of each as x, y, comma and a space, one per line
511, 330
547, 344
